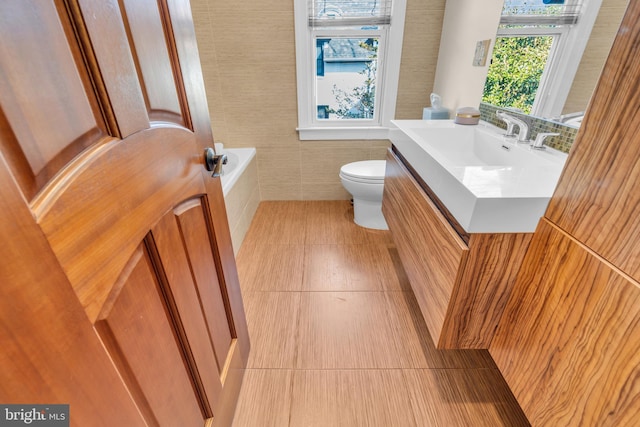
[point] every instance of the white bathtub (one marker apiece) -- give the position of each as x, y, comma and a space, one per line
237, 161
240, 188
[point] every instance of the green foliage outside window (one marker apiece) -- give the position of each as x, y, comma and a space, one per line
515, 71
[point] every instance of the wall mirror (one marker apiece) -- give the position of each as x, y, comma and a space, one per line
561, 45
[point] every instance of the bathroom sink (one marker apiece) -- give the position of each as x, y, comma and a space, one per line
488, 182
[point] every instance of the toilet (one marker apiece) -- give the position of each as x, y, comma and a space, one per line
365, 181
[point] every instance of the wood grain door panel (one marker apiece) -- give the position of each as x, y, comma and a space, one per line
100, 27
151, 41
97, 219
193, 221
50, 352
139, 334
103, 122
432, 253
49, 110
193, 296
568, 341
168, 297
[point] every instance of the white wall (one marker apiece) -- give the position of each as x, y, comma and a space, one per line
465, 23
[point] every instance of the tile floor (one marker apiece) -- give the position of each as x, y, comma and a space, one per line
337, 337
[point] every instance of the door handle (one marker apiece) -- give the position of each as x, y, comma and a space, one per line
213, 162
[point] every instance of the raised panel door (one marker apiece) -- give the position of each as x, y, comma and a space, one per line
137, 329
136, 225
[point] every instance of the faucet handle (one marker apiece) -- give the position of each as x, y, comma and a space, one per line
502, 115
538, 144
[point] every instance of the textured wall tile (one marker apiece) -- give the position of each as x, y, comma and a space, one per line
248, 61
279, 173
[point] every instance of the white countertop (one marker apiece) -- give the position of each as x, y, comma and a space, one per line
488, 182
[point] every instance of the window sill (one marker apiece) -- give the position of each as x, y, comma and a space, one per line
335, 133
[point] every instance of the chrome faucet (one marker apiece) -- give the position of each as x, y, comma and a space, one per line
539, 142
523, 127
510, 123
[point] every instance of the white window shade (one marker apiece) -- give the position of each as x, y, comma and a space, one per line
538, 12
342, 13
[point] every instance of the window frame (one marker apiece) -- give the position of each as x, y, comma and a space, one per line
553, 66
564, 58
388, 72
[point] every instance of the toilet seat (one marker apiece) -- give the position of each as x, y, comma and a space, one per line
366, 171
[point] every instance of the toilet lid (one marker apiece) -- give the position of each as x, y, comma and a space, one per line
371, 170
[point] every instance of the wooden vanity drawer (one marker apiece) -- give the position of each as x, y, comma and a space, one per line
432, 253
462, 281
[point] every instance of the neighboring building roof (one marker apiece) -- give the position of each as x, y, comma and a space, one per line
343, 49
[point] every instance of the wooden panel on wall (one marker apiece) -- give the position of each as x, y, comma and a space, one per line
568, 342
49, 112
597, 198
431, 252
140, 336
149, 29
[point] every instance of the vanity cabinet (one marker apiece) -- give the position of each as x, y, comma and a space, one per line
461, 281
568, 342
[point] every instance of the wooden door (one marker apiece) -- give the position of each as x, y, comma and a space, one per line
119, 290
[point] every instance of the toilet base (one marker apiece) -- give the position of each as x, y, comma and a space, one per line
368, 214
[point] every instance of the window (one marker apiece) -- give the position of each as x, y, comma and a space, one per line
537, 52
348, 62
517, 67
346, 78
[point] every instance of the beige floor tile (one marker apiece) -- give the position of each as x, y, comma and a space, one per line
278, 223
365, 267
265, 398
416, 344
334, 323
268, 267
398, 269
462, 398
272, 318
343, 330
350, 398
332, 222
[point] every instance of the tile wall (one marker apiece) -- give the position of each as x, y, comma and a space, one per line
561, 142
247, 53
